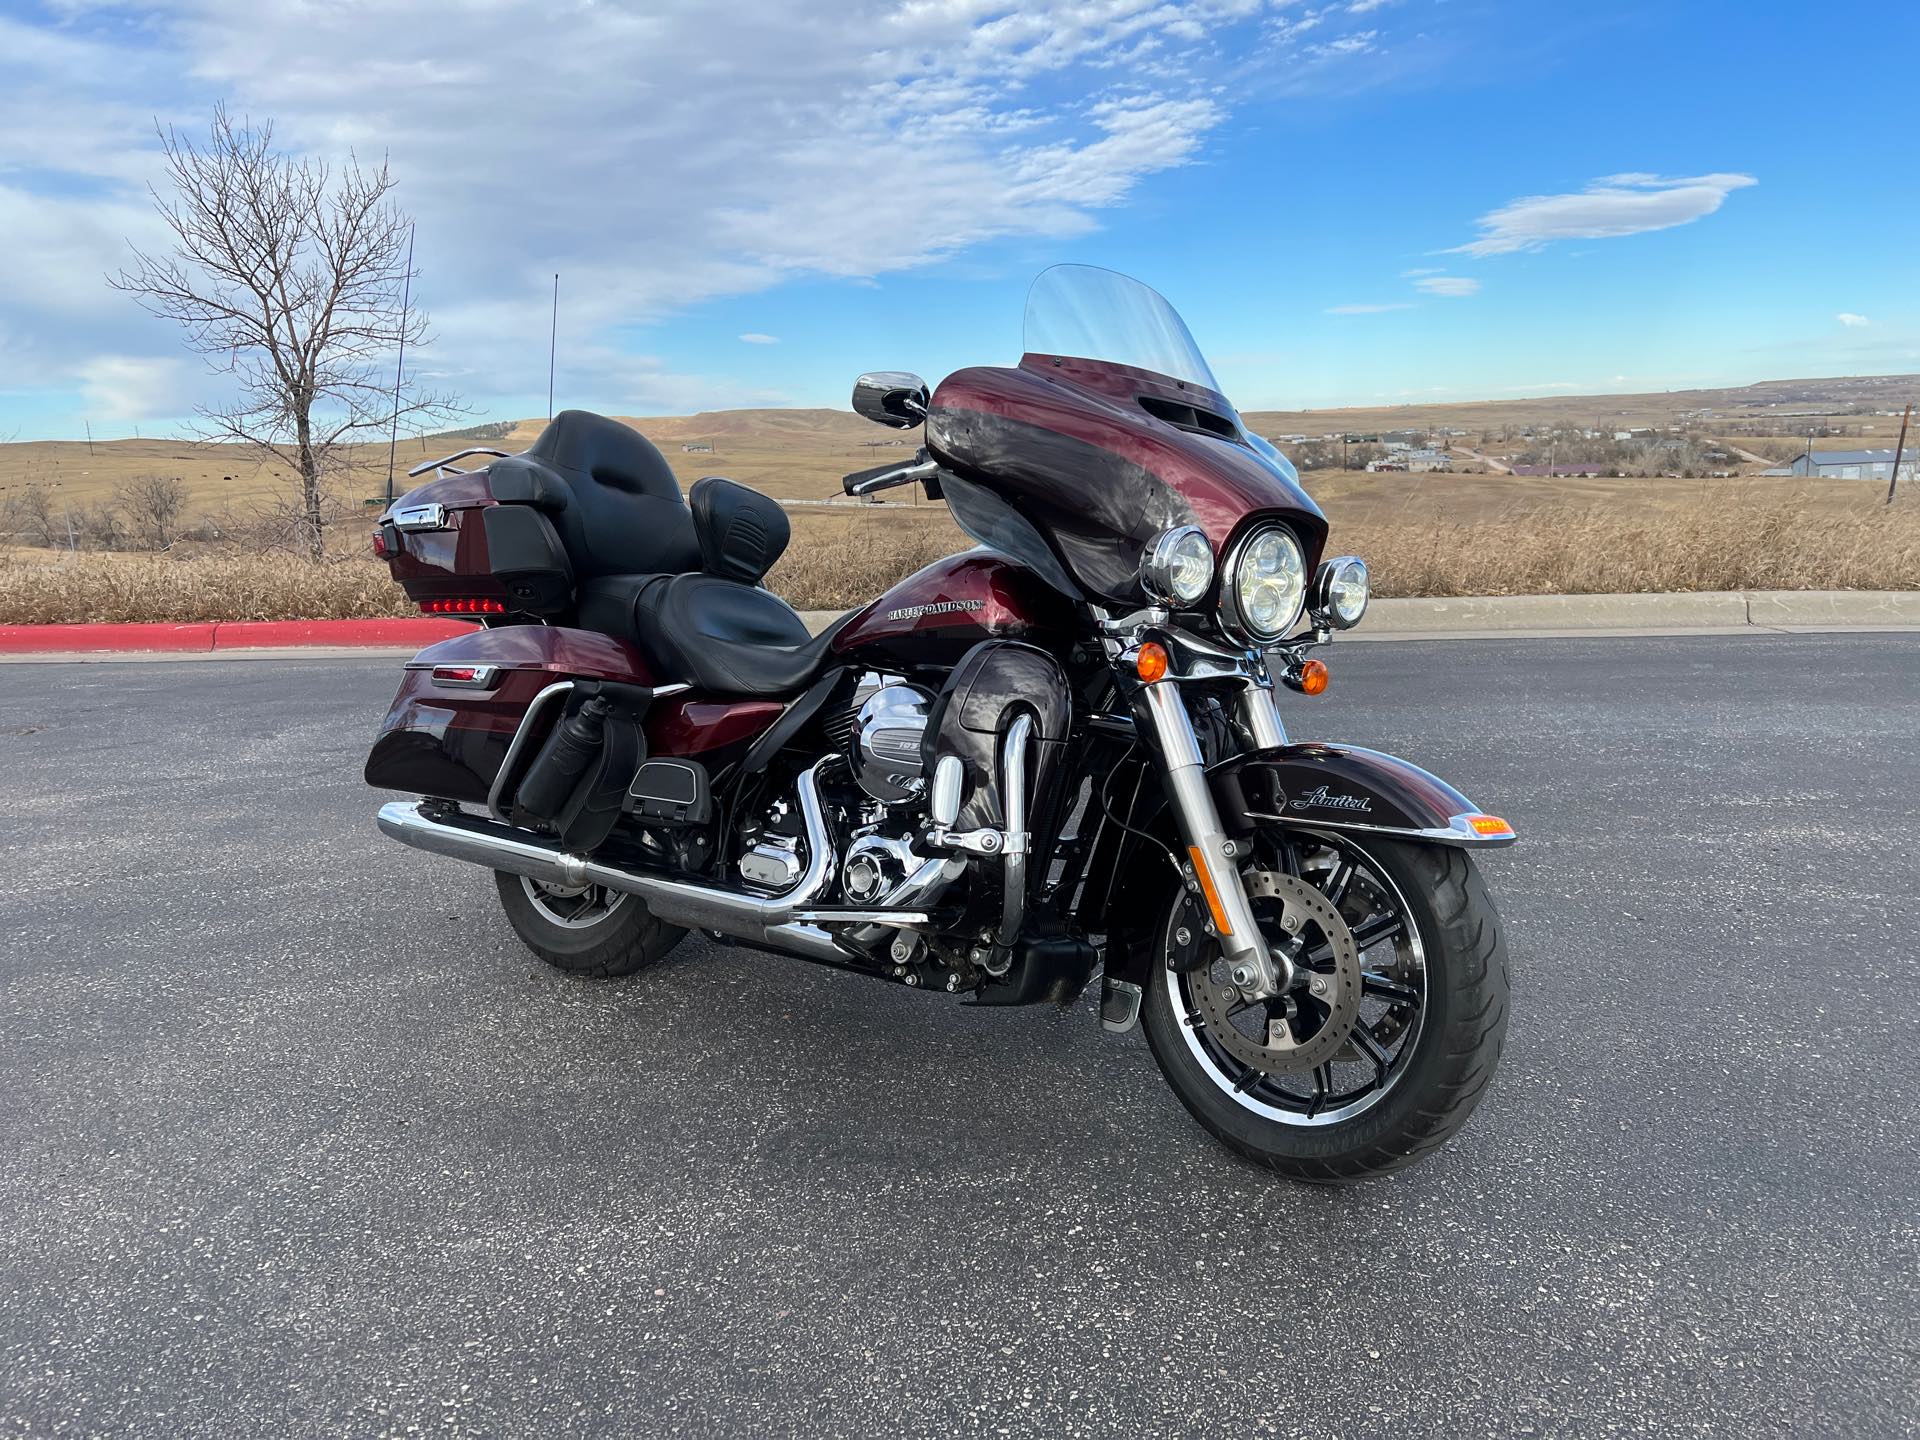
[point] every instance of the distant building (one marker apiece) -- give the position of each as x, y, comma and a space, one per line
1581, 468
1420, 461
1850, 465
698, 447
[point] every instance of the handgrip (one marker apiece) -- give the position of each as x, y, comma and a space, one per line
885, 477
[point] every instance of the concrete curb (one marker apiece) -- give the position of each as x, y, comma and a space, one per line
1460, 617
1669, 614
205, 638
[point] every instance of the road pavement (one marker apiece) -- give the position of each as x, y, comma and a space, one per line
296, 1139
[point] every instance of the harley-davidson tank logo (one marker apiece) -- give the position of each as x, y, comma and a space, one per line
1325, 799
937, 607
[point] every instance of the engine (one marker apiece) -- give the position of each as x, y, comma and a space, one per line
884, 747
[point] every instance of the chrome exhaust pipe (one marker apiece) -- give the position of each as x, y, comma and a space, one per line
782, 921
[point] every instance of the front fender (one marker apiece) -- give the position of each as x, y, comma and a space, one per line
1345, 787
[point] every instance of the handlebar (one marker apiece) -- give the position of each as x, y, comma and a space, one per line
885, 477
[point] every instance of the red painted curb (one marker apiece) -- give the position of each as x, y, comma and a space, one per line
265, 634
225, 635
49, 639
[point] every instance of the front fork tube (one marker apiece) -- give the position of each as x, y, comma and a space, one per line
1212, 856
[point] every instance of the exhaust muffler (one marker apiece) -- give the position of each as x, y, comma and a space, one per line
764, 919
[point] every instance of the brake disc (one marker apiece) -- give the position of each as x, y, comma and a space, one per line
1279, 1048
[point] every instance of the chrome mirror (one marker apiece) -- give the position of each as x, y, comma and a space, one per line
895, 398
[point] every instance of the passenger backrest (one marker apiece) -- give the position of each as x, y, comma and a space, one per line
610, 494
741, 531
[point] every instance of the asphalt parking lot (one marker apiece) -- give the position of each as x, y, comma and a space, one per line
296, 1139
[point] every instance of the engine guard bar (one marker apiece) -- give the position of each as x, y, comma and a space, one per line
1347, 787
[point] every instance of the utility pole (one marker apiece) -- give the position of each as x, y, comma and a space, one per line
1899, 449
89, 425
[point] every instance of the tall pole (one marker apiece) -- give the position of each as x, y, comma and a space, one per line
553, 337
1898, 450
406, 299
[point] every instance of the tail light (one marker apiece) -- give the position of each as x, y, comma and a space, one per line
463, 606
379, 545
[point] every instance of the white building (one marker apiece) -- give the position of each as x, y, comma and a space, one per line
1851, 465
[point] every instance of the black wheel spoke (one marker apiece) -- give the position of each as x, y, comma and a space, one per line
1338, 879
1370, 1047
1381, 988
1322, 1088
1382, 927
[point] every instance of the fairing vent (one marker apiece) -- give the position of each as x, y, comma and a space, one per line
1190, 417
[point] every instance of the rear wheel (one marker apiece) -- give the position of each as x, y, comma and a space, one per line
586, 929
1386, 1039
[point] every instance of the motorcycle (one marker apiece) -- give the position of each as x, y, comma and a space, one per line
1056, 754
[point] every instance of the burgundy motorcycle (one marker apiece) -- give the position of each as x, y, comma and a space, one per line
1055, 754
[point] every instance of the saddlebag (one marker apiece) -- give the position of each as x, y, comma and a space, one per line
462, 702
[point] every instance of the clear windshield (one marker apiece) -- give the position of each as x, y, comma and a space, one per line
1086, 313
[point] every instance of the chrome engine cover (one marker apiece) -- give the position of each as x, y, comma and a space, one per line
875, 866
886, 743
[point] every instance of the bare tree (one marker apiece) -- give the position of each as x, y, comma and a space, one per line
29, 513
153, 504
288, 274
102, 526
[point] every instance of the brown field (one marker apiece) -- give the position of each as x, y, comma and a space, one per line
1720, 537
1424, 534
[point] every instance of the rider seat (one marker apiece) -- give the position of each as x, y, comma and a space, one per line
716, 629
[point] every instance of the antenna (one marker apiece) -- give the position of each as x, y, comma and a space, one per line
553, 336
406, 299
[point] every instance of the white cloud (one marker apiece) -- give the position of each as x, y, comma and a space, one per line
1851, 320
655, 162
1369, 309
1453, 286
129, 388
754, 337
1615, 205
1422, 270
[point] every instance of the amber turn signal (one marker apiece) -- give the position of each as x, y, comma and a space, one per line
1151, 663
1313, 677
1489, 825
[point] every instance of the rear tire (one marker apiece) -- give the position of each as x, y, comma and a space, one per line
621, 938
1453, 1059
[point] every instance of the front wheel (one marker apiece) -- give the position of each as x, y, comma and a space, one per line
1385, 1040
584, 929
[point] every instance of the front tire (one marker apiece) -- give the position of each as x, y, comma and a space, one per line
588, 931
1450, 1025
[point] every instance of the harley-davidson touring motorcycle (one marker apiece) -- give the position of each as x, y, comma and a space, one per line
1055, 755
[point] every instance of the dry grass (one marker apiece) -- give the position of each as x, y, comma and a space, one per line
1722, 539
51, 588
1725, 539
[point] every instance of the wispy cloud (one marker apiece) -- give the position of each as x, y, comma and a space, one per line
1422, 270
1615, 205
1037, 118
1452, 286
754, 337
1369, 309
1852, 321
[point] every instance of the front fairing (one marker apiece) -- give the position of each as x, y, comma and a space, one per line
1103, 457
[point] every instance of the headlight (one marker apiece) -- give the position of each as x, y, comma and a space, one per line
1178, 566
1340, 592
1266, 585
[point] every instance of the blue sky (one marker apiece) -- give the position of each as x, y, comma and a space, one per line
1352, 203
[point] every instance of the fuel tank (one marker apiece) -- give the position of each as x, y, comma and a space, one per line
936, 615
